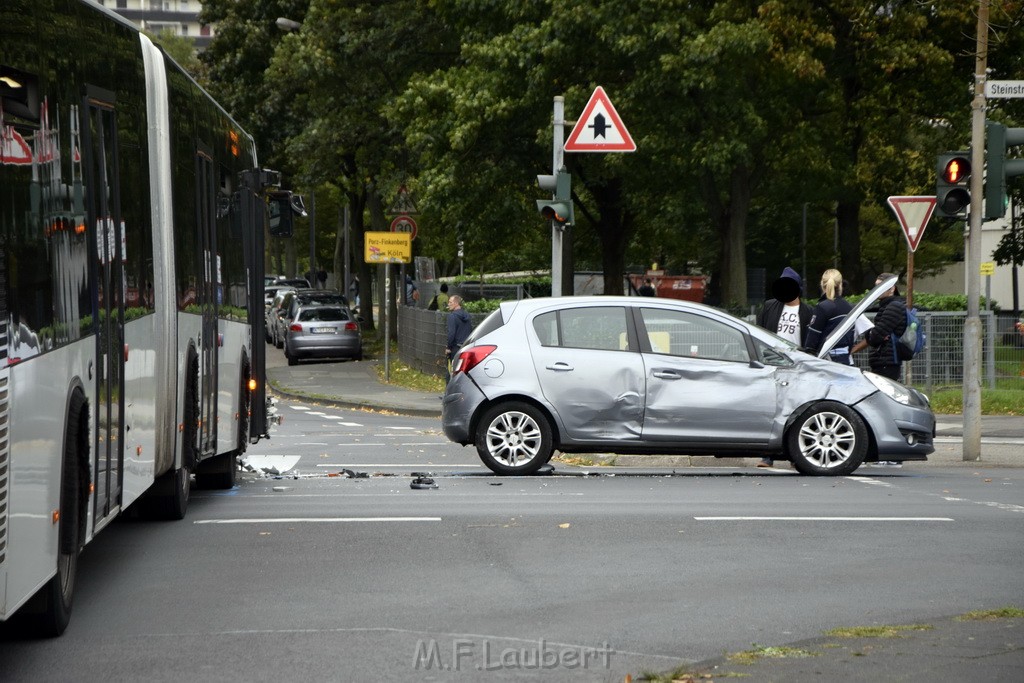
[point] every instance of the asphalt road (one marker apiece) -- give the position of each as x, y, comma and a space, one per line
588, 574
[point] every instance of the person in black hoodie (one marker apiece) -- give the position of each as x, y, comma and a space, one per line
829, 314
786, 315
890, 323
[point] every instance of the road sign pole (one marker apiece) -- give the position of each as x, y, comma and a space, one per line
557, 160
972, 325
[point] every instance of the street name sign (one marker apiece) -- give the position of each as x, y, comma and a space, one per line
1004, 89
599, 128
387, 247
913, 213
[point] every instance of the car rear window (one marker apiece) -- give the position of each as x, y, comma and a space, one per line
332, 314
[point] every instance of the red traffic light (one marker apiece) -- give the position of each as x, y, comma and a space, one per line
956, 171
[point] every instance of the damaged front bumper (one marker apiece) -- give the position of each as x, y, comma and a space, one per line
901, 432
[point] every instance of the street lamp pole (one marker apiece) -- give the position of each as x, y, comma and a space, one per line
312, 239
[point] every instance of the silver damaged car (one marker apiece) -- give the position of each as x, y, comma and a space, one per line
657, 376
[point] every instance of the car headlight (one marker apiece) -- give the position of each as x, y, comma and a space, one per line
893, 390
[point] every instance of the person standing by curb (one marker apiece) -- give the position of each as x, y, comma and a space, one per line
460, 325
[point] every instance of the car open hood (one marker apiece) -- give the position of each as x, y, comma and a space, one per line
847, 324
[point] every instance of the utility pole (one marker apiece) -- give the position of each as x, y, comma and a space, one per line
972, 326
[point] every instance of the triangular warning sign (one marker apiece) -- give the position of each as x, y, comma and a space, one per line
913, 213
599, 128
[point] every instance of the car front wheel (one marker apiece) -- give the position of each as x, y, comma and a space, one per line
514, 438
827, 439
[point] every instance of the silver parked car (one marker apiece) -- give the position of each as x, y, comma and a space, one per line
650, 375
323, 331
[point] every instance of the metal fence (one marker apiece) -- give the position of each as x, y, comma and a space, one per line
422, 336
941, 364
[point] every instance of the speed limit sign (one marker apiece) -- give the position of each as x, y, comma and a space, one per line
404, 223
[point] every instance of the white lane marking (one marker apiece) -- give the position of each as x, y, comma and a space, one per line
824, 519
334, 417
406, 428
299, 407
317, 413
350, 424
1005, 507
311, 443
986, 440
297, 520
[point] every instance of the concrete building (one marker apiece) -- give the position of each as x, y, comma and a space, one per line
953, 278
179, 16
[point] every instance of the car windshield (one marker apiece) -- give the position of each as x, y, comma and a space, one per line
324, 314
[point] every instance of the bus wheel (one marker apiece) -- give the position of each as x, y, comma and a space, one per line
217, 472
168, 498
55, 598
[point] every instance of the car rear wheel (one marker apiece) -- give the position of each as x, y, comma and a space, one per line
827, 439
514, 438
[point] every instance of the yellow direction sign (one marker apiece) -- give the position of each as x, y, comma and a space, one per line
387, 247
988, 267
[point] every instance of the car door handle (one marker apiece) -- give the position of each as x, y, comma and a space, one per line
667, 374
560, 367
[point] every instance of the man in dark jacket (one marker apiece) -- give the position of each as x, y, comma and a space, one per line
890, 323
460, 325
786, 315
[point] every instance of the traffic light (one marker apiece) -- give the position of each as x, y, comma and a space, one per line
998, 168
952, 194
560, 208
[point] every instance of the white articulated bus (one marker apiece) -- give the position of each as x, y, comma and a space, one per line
132, 218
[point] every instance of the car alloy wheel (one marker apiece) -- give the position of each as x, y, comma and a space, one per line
828, 438
514, 438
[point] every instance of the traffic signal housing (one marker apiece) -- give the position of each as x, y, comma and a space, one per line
998, 168
952, 194
559, 209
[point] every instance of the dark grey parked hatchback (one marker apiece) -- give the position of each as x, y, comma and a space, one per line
323, 331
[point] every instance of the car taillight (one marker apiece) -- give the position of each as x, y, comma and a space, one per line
471, 357
351, 327
295, 327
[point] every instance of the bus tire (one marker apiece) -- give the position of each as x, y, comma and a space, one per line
55, 599
169, 496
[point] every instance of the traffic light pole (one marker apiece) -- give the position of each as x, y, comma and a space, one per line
972, 327
557, 159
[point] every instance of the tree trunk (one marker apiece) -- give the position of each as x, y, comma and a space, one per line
730, 219
848, 225
614, 229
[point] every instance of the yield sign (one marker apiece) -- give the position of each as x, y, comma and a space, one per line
913, 213
599, 128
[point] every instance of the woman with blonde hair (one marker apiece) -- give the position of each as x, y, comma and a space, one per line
830, 312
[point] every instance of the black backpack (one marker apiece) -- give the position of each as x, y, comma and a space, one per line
432, 306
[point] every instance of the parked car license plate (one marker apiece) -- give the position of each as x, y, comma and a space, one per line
323, 330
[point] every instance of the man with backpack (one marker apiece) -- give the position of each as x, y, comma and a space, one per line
890, 322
